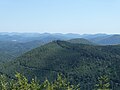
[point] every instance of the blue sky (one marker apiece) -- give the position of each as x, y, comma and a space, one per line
60, 16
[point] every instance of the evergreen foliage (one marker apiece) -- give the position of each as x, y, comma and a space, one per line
22, 84
104, 83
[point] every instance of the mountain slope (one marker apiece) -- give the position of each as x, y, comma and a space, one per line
80, 63
9, 50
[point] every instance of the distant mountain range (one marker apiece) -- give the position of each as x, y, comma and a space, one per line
102, 39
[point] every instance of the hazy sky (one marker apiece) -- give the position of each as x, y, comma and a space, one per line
60, 16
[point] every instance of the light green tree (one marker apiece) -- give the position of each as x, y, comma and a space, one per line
103, 83
21, 83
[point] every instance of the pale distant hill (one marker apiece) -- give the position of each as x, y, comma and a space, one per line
107, 40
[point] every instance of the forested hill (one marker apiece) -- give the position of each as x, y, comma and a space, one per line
80, 63
81, 41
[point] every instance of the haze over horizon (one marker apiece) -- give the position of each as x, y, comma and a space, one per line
61, 16
60, 33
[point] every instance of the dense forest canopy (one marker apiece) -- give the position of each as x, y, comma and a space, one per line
80, 63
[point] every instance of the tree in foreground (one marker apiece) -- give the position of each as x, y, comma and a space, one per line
61, 83
103, 83
22, 83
